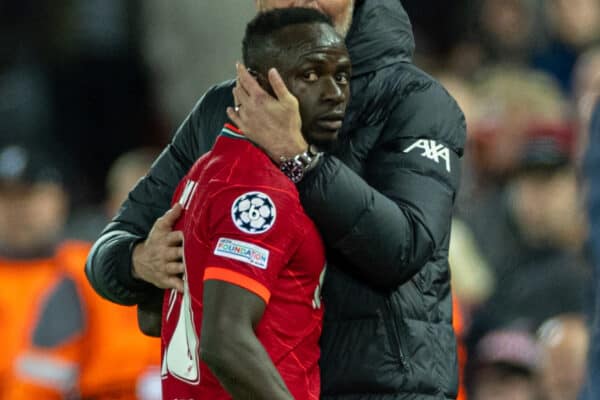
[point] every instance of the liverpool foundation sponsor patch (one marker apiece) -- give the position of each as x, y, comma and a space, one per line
242, 251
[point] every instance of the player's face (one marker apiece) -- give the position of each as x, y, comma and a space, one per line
340, 11
316, 69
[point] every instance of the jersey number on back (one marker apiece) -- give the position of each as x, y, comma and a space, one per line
181, 354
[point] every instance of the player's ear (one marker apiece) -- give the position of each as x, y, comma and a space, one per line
262, 80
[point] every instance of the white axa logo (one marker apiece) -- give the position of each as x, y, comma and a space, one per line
431, 150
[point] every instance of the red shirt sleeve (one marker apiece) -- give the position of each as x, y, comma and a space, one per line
252, 234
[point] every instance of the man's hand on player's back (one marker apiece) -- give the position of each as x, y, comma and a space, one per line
159, 259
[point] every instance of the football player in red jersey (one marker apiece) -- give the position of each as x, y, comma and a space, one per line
248, 323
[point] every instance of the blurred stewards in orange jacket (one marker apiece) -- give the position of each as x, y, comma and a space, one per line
60, 340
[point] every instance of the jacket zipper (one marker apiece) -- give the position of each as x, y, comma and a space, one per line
393, 333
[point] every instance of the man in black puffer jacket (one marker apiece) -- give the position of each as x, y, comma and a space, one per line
382, 201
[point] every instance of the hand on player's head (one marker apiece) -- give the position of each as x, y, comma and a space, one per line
307, 70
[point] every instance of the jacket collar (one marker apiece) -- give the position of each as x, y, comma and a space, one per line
380, 35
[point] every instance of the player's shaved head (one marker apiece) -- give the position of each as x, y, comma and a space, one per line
262, 45
312, 59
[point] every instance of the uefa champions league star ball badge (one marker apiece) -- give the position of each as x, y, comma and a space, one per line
253, 212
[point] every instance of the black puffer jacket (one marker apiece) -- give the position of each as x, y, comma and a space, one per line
383, 203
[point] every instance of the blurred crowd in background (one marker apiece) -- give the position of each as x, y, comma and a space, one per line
90, 91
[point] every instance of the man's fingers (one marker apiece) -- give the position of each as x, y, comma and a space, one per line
239, 90
246, 82
236, 100
173, 254
278, 85
168, 274
234, 117
170, 217
174, 282
240, 96
174, 238
175, 268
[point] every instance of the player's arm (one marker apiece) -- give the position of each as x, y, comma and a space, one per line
229, 346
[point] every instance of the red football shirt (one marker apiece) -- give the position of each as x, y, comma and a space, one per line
243, 224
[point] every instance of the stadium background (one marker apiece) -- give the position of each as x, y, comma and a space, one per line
99, 86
